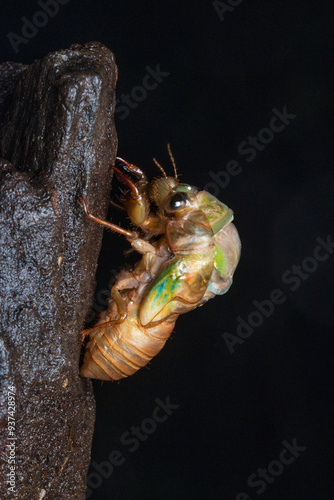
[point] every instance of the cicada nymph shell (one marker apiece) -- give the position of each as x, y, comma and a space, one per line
189, 254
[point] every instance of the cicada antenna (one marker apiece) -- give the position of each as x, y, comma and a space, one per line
159, 166
172, 160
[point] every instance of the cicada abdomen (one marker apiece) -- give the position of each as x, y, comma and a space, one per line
192, 261
118, 349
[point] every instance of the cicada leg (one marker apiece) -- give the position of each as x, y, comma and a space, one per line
137, 243
124, 283
136, 192
137, 204
131, 235
133, 169
83, 335
121, 305
114, 204
124, 179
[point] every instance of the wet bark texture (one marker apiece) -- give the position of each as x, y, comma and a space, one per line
57, 143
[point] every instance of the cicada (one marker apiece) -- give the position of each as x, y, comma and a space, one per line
190, 249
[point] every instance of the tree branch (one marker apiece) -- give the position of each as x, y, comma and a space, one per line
58, 140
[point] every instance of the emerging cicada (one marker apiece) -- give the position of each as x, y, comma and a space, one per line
192, 260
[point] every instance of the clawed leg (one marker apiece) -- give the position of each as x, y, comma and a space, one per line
131, 235
137, 243
83, 335
133, 169
125, 282
124, 179
137, 203
119, 320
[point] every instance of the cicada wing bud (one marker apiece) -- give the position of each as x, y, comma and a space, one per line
177, 289
227, 255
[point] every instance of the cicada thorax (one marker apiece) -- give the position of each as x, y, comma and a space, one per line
182, 280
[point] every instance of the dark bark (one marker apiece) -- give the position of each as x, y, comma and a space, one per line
57, 143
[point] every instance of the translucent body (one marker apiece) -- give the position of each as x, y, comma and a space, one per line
194, 260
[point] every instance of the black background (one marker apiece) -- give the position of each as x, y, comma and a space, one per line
225, 76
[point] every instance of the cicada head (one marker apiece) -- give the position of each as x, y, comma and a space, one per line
161, 189
172, 197
176, 199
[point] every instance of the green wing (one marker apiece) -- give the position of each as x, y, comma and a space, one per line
227, 254
182, 282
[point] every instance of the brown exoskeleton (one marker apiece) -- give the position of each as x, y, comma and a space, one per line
192, 260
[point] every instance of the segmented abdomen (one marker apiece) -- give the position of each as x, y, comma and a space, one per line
119, 350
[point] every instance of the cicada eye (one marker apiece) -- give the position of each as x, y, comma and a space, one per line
178, 201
